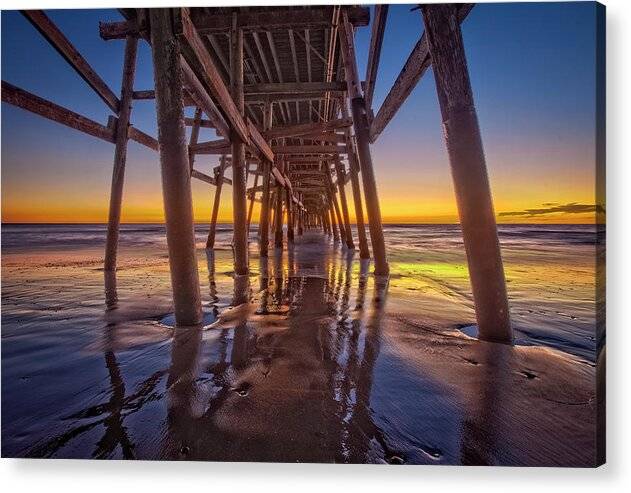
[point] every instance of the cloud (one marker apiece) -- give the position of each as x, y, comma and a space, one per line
554, 208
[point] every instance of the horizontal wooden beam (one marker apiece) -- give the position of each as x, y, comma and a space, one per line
274, 19
277, 19
189, 122
261, 99
134, 134
222, 146
64, 47
305, 172
294, 87
310, 189
203, 177
326, 137
30, 102
416, 65
309, 149
306, 128
118, 29
210, 74
142, 138
148, 94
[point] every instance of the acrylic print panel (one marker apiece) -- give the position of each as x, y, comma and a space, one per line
350, 234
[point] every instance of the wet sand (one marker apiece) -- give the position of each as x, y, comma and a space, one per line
308, 359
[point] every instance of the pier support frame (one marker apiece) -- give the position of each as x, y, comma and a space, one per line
174, 163
264, 222
353, 169
239, 199
120, 153
340, 185
361, 127
251, 206
468, 169
290, 215
334, 226
278, 216
210, 241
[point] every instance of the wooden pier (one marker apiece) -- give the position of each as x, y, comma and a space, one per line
280, 86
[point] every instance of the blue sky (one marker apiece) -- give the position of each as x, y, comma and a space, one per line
532, 72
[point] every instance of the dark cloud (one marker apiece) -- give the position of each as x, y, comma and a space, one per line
554, 208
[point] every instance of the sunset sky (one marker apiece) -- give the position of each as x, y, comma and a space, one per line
533, 77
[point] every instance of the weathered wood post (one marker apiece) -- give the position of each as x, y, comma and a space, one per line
468, 169
251, 207
194, 136
301, 214
120, 153
360, 124
210, 241
336, 208
290, 215
176, 177
339, 169
239, 201
265, 196
278, 214
334, 227
326, 224
353, 169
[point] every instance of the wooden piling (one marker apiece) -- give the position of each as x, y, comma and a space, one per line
301, 214
210, 241
334, 226
265, 196
353, 169
176, 179
336, 209
278, 215
290, 215
468, 168
339, 169
120, 153
360, 124
197, 119
251, 207
239, 201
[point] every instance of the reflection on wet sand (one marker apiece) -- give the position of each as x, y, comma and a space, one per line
314, 362
289, 388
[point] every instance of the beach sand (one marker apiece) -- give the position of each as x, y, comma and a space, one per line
308, 359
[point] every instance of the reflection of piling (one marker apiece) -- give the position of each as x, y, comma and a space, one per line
182, 388
212, 284
240, 343
482, 425
111, 293
468, 169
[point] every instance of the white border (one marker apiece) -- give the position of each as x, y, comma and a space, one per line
65, 476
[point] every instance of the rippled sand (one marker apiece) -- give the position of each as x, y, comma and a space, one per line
308, 359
